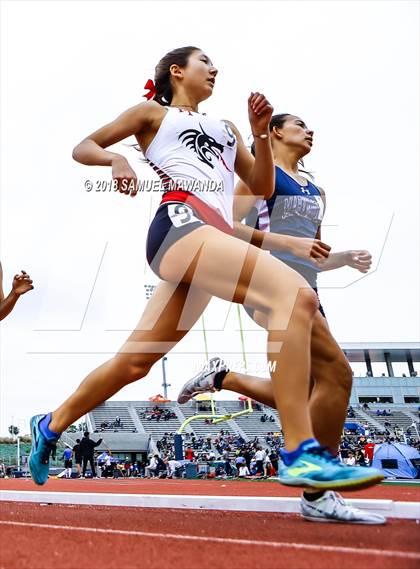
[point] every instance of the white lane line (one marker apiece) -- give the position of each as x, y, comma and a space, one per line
224, 540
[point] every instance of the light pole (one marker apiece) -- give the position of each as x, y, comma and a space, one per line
164, 384
18, 451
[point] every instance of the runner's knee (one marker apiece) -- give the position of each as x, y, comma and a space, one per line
300, 302
134, 366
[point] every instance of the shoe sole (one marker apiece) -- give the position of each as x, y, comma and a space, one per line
334, 521
349, 485
184, 399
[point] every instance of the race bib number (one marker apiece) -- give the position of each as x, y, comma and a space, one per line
181, 214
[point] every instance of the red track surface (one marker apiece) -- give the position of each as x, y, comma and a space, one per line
97, 537
315, 545
408, 493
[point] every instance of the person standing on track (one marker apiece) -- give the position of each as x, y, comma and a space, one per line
191, 247
288, 225
78, 459
87, 450
67, 455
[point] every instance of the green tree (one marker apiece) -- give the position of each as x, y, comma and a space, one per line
14, 431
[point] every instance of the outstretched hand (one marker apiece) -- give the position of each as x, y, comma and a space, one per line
360, 260
259, 113
22, 283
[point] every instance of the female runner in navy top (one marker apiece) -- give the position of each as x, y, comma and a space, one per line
288, 224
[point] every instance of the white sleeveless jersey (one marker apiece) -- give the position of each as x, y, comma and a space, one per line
196, 153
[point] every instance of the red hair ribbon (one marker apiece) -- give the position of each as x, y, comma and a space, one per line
150, 86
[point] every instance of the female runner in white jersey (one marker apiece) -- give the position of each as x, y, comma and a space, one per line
191, 247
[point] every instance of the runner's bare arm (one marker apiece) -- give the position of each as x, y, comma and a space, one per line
22, 283
354, 258
258, 172
91, 150
304, 248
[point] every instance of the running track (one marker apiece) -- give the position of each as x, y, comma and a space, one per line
95, 537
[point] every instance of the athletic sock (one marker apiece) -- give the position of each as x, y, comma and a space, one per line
218, 379
289, 457
312, 496
44, 428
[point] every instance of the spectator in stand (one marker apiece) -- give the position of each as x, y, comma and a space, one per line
367, 429
243, 471
117, 421
267, 464
365, 407
189, 453
350, 460
127, 467
78, 457
253, 467
369, 450
359, 458
174, 467
161, 466
274, 459
151, 468
259, 458
228, 466
67, 454
87, 447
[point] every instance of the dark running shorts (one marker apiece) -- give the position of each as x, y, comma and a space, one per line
250, 311
67, 464
171, 222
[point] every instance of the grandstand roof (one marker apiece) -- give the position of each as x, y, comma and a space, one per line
398, 351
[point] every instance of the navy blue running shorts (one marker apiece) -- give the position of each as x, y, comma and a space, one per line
171, 222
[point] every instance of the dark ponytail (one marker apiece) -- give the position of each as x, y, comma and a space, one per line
162, 79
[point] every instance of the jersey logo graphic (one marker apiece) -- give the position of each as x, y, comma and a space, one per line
305, 191
204, 145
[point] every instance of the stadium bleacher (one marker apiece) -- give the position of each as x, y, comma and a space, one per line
107, 414
134, 415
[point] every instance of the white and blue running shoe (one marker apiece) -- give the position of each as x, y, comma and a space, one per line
332, 508
315, 467
203, 382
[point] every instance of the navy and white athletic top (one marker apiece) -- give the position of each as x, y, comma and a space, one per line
294, 209
195, 153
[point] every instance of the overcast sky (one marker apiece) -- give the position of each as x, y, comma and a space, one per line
349, 69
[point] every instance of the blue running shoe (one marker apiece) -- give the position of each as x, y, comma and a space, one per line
317, 468
41, 449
